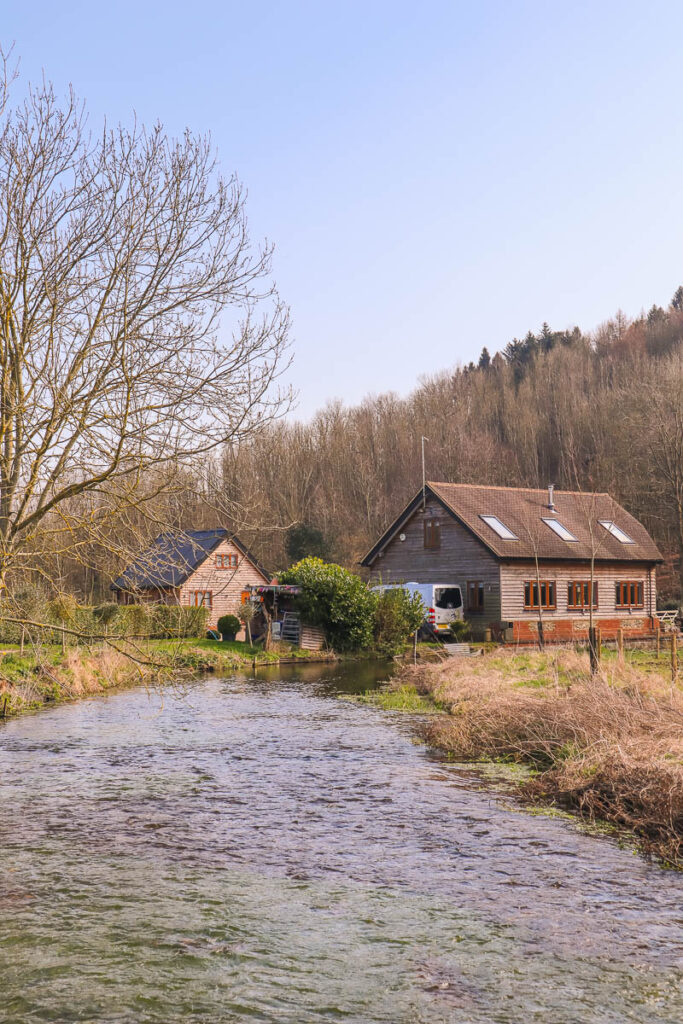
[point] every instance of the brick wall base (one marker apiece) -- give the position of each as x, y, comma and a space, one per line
567, 630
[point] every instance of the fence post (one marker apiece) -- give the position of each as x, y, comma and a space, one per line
594, 647
620, 643
659, 637
674, 657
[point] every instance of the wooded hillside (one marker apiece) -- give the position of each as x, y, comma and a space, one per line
595, 411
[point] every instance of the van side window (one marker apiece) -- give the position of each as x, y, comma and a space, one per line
432, 528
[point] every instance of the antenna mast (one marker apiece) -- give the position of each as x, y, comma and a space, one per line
424, 482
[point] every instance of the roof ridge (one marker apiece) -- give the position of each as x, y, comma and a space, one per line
503, 487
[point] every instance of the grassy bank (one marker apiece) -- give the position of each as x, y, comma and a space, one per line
608, 747
46, 674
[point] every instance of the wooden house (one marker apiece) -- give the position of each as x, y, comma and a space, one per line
204, 568
526, 559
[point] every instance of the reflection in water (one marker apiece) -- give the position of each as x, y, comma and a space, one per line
257, 850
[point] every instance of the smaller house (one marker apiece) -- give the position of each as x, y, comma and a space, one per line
201, 568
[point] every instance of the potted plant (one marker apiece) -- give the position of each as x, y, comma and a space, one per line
228, 626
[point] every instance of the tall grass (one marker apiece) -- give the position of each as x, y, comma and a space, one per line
609, 746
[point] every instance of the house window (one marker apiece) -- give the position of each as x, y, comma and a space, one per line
616, 531
629, 594
499, 527
547, 595
578, 594
201, 598
475, 597
561, 530
226, 561
432, 528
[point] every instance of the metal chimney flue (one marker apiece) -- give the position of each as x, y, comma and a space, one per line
551, 503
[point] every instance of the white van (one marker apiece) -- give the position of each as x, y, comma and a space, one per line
443, 601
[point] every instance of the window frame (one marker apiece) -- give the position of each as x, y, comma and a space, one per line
432, 533
556, 526
489, 520
582, 588
639, 592
616, 531
232, 558
547, 586
194, 603
478, 587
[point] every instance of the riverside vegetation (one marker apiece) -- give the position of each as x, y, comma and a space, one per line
59, 650
607, 746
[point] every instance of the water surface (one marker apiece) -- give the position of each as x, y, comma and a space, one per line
261, 850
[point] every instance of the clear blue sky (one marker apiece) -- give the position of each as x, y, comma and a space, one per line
436, 177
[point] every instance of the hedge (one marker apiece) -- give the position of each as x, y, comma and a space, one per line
155, 621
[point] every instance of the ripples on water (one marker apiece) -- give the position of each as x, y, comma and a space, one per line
263, 851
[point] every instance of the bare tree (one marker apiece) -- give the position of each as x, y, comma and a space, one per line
121, 256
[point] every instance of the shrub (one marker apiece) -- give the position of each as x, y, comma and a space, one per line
334, 599
106, 613
397, 615
159, 621
460, 629
228, 625
133, 619
168, 621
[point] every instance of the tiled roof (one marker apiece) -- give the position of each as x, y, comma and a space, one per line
522, 511
173, 557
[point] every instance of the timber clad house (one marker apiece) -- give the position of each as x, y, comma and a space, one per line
204, 568
524, 557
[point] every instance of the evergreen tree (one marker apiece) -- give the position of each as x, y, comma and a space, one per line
677, 301
484, 359
546, 338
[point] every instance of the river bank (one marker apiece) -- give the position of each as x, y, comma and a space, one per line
47, 674
608, 747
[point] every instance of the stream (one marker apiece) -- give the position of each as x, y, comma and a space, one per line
264, 850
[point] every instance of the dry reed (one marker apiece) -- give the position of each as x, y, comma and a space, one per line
608, 746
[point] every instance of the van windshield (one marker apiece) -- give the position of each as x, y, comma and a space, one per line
447, 597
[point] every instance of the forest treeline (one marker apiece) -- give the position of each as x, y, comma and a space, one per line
592, 411
595, 411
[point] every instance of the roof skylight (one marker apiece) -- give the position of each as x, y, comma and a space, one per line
499, 528
561, 531
616, 531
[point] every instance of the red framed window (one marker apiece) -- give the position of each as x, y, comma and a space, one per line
543, 589
579, 594
201, 598
629, 594
475, 597
226, 561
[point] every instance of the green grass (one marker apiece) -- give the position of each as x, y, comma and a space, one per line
234, 652
402, 698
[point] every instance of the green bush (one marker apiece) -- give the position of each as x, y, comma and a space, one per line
460, 629
168, 621
398, 615
159, 622
106, 613
334, 599
228, 625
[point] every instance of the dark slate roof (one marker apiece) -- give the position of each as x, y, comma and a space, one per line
174, 556
522, 510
